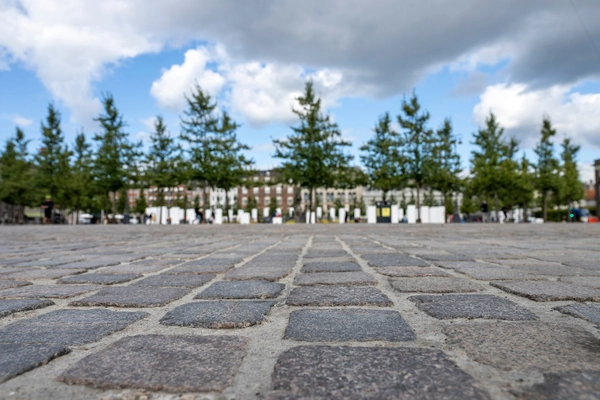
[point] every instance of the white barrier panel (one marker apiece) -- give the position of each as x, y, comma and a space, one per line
245, 218
277, 220
424, 214
437, 215
240, 215
291, 212
218, 216
254, 214
307, 217
356, 213
371, 215
332, 213
207, 214
394, 216
342, 215
265, 212
319, 212
313, 218
229, 215
411, 214
175, 213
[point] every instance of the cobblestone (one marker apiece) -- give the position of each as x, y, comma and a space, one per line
241, 290
434, 284
8, 307
226, 314
132, 296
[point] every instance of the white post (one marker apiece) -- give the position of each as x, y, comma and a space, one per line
356, 213
394, 216
218, 216
371, 215
411, 213
342, 215
254, 214
332, 213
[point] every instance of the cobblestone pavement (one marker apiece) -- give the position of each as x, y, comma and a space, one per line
297, 311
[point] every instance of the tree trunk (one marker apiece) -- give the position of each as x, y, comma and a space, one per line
310, 206
204, 201
384, 195
496, 206
227, 206
525, 216
160, 193
114, 207
418, 202
545, 206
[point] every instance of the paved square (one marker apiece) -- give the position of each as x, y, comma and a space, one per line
261, 311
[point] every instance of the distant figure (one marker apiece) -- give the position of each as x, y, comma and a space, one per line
198, 214
47, 206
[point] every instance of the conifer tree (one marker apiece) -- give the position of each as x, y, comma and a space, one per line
382, 157
418, 145
314, 153
81, 184
570, 187
446, 162
547, 167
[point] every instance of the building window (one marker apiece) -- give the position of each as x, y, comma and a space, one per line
290, 189
290, 201
306, 197
267, 201
244, 190
244, 201
278, 189
278, 200
267, 190
255, 190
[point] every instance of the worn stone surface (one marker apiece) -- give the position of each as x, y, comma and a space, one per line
337, 296
225, 314
132, 296
13, 284
472, 306
592, 281
434, 284
582, 385
488, 273
536, 346
371, 373
549, 290
193, 269
329, 325
267, 273
326, 253
589, 312
184, 281
358, 278
34, 274
133, 269
392, 260
16, 358
410, 272
46, 291
336, 266
68, 327
174, 363
242, 290
8, 307
100, 279
445, 257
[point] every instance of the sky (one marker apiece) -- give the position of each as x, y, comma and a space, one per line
521, 60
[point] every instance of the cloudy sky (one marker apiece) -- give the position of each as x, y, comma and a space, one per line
464, 58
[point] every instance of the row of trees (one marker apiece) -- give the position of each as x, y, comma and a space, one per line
208, 154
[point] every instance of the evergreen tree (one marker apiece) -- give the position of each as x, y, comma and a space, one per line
115, 155
52, 167
571, 189
525, 186
141, 203
252, 203
418, 144
488, 161
546, 169
81, 185
198, 125
231, 166
16, 176
446, 163
382, 158
162, 163
314, 153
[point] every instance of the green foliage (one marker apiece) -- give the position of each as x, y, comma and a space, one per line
52, 161
382, 157
16, 173
546, 169
570, 187
273, 205
162, 161
446, 162
81, 180
140, 203
252, 203
121, 201
313, 154
418, 143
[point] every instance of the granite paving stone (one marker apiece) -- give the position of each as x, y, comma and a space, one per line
337, 296
224, 314
393, 260
536, 346
186, 269
488, 273
99, 279
13, 284
472, 306
331, 325
170, 363
434, 284
358, 278
89, 264
8, 307
132, 296
267, 273
549, 290
68, 327
589, 312
46, 291
371, 373
410, 272
340, 266
184, 281
33, 274
592, 281
133, 269
242, 290
326, 253
445, 257
16, 358
582, 385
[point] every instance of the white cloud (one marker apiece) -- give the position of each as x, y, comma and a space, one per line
520, 111
265, 147
586, 172
21, 121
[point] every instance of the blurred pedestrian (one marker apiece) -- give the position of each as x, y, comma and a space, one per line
48, 206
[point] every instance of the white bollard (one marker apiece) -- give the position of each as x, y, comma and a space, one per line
218, 216
411, 213
254, 214
394, 216
371, 215
342, 215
